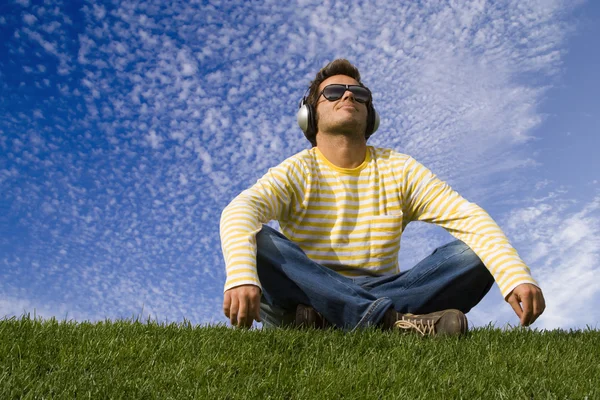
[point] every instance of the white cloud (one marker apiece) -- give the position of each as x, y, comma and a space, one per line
85, 45
561, 243
188, 69
183, 179
99, 11
51, 27
154, 139
29, 19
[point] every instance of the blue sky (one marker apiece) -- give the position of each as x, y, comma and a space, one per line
126, 128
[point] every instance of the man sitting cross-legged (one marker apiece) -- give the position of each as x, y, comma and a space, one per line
342, 207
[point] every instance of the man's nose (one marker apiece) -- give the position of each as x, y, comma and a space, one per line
348, 94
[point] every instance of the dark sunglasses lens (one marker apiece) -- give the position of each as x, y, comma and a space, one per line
334, 92
360, 94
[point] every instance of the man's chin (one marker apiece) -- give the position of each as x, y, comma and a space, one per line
350, 128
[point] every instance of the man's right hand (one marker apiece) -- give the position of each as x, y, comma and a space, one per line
242, 305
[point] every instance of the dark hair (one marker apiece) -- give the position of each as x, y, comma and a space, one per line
341, 66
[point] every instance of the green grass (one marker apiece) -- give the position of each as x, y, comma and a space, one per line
130, 359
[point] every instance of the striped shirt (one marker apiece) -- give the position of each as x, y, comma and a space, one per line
351, 220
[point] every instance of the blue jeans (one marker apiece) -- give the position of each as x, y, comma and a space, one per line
453, 276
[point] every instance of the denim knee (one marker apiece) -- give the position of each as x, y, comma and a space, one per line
484, 275
265, 231
459, 244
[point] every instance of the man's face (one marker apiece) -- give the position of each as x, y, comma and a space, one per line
343, 116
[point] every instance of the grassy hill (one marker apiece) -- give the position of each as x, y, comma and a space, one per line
134, 360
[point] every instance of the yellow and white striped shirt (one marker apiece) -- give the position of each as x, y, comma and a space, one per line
351, 220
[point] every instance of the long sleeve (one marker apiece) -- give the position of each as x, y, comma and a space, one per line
428, 199
268, 199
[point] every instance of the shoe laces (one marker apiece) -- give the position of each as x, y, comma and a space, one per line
424, 327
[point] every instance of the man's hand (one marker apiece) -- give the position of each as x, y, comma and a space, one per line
528, 302
242, 305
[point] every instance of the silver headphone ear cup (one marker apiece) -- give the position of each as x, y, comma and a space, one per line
302, 117
376, 124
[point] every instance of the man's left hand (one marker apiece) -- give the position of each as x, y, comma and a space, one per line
528, 302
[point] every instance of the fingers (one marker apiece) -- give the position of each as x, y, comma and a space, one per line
242, 320
539, 305
255, 308
249, 310
226, 303
514, 303
257, 311
233, 310
527, 305
242, 305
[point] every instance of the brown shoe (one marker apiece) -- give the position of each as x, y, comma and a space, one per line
446, 322
308, 317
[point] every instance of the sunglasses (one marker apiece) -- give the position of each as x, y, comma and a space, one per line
336, 91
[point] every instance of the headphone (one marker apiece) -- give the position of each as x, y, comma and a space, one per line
307, 122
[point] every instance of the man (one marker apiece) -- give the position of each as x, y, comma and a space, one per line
342, 207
